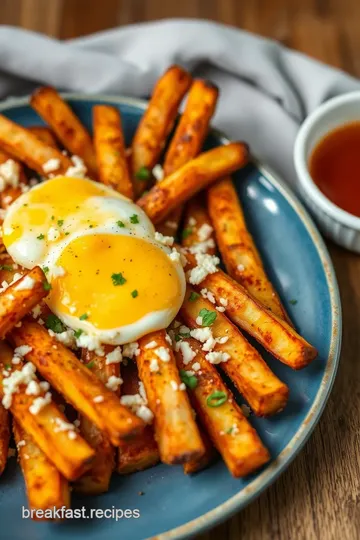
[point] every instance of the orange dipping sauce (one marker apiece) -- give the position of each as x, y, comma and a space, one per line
334, 166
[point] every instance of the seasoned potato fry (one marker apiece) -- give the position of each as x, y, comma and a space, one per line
11, 193
142, 452
110, 150
46, 487
264, 392
4, 437
237, 248
197, 226
45, 135
65, 124
20, 297
157, 122
189, 137
75, 382
26, 147
231, 433
97, 479
175, 429
72, 456
196, 465
278, 337
192, 178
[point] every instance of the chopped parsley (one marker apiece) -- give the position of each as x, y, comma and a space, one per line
143, 173
189, 380
90, 365
60, 222
8, 366
230, 430
45, 269
186, 232
40, 237
78, 333
208, 317
47, 286
6, 267
193, 296
293, 302
83, 317
118, 279
120, 224
134, 293
134, 219
184, 334
52, 322
177, 337
216, 399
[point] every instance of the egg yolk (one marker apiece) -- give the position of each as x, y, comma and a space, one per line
113, 280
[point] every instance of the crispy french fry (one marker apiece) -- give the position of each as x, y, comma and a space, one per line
197, 226
76, 383
26, 147
189, 137
46, 487
11, 193
237, 247
97, 479
264, 392
196, 465
20, 297
110, 150
175, 429
4, 437
231, 433
65, 124
142, 452
157, 122
192, 178
45, 135
72, 456
278, 337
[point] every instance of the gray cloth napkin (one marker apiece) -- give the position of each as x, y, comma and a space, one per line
266, 89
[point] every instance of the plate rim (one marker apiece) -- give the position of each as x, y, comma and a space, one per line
248, 494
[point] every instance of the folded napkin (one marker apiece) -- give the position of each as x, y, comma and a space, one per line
266, 89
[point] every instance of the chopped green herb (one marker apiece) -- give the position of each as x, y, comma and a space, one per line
193, 296
208, 317
47, 286
91, 226
52, 322
120, 224
90, 365
186, 232
216, 399
184, 334
78, 333
189, 380
53, 217
143, 173
7, 366
67, 234
118, 279
40, 237
293, 302
229, 431
134, 219
134, 293
60, 222
83, 317
6, 267
177, 337
45, 269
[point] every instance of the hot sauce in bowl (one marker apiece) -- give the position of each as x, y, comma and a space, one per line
334, 166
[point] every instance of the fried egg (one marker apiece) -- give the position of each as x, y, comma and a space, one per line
110, 277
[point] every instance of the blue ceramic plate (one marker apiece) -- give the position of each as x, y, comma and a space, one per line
174, 505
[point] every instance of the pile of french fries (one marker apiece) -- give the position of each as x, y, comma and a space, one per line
195, 414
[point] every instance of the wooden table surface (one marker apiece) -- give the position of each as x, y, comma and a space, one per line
318, 497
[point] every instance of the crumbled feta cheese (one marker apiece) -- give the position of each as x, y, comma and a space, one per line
58, 271
12, 382
78, 169
174, 385
199, 320
241, 267
22, 350
208, 295
175, 256
98, 399
154, 365
138, 405
145, 414
131, 349
206, 264
205, 336
223, 301
158, 172
21, 443
168, 339
36, 311
192, 221
221, 309
113, 383
33, 389
216, 357
51, 165
9, 174
222, 340
204, 232
187, 353
164, 240
25, 284
67, 337
184, 329
53, 234
182, 386
114, 357
202, 247
92, 343
39, 403
163, 353
62, 425
171, 224
150, 345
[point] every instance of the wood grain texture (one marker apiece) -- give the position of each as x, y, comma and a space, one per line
318, 496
